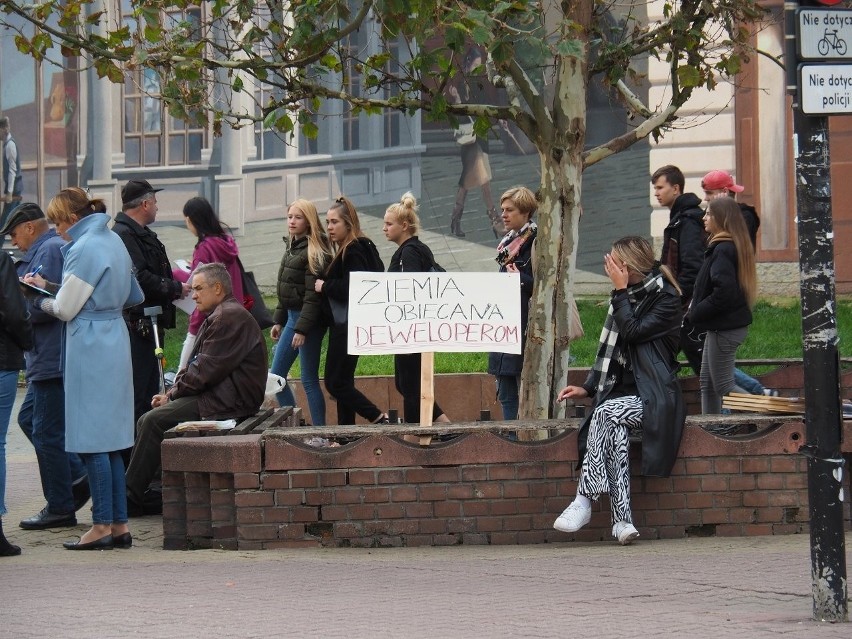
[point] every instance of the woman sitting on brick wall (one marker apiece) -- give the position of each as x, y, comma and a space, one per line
635, 386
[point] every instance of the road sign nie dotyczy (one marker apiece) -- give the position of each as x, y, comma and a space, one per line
824, 35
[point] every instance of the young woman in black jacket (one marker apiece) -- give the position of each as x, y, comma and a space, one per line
635, 386
300, 323
353, 252
724, 293
412, 256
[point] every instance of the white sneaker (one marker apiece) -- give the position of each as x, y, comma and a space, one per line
573, 518
625, 532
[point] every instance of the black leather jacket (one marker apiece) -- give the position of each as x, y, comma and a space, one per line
651, 334
16, 333
153, 270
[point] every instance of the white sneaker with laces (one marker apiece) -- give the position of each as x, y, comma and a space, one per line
625, 532
573, 518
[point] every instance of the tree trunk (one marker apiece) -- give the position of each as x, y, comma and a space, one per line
546, 354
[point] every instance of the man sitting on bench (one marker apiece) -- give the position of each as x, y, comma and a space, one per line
225, 377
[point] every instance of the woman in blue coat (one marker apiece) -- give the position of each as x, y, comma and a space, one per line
97, 283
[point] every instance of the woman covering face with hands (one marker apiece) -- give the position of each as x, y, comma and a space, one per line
634, 385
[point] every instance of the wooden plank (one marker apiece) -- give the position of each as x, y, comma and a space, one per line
762, 403
427, 393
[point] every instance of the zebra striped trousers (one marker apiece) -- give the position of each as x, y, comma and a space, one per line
606, 466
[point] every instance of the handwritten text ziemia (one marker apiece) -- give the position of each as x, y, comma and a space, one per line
419, 312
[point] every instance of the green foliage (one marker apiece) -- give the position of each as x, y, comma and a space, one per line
280, 42
775, 334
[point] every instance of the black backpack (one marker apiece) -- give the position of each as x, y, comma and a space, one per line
428, 257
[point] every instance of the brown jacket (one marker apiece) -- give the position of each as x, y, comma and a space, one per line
227, 367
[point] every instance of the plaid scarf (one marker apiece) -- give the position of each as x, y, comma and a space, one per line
609, 346
513, 241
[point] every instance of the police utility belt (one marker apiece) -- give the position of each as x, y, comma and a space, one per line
142, 327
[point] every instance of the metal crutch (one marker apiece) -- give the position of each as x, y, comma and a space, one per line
153, 312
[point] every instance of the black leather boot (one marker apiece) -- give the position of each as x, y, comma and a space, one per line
458, 210
7, 549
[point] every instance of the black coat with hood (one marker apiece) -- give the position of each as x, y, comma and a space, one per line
684, 241
651, 334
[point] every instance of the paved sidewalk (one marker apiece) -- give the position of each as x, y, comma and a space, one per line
713, 587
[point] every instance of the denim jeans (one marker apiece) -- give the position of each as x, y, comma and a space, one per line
309, 360
748, 383
42, 418
106, 481
8, 388
507, 395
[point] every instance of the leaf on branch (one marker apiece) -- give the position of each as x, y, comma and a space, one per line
107, 69
237, 84
570, 48
688, 76
481, 35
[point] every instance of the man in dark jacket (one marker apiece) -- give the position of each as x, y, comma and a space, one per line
16, 336
225, 377
684, 241
42, 415
154, 273
720, 183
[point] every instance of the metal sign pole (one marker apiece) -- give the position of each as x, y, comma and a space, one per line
821, 362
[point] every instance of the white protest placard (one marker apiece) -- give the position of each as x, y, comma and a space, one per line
434, 312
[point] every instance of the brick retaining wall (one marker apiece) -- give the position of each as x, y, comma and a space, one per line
271, 491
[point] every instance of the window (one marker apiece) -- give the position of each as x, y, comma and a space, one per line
353, 50
392, 118
269, 143
151, 136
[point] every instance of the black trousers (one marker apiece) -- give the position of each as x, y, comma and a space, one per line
407, 382
340, 380
146, 373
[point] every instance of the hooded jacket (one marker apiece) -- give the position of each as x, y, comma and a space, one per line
684, 241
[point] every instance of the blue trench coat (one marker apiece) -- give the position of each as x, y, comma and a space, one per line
98, 368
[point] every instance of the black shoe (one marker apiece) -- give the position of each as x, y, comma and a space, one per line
123, 541
46, 519
81, 492
104, 543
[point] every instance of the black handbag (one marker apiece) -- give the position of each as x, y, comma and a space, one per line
253, 300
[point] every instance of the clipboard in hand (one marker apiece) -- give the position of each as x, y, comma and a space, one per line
36, 289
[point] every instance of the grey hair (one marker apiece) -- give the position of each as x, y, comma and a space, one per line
216, 273
132, 204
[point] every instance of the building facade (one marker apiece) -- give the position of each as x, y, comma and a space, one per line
76, 129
